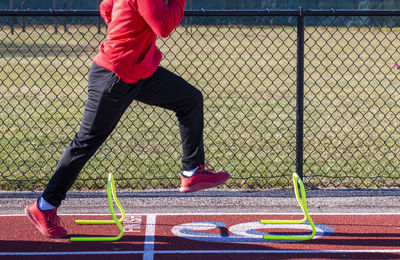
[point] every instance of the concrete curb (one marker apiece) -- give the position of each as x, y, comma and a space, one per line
218, 201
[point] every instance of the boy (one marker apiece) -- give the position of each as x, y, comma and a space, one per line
126, 69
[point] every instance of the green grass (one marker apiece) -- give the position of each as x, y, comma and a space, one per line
248, 78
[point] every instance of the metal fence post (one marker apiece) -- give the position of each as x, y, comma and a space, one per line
55, 19
23, 18
65, 18
300, 94
11, 18
98, 19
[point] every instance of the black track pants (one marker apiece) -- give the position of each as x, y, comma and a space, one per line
108, 99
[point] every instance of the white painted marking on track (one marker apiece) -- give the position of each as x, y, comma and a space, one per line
174, 252
71, 253
132, 224
275, 214
250, 229
242, 232
149, 237
223, 214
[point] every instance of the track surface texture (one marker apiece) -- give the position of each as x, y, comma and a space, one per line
208, 236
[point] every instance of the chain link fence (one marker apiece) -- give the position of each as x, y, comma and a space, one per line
352, 102
247, 66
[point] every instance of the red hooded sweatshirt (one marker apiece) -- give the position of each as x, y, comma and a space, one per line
129, 49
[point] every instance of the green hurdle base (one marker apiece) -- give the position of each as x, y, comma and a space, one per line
303, 204
111, 195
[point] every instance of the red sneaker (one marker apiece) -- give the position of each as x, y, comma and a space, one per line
202, 179
46, 221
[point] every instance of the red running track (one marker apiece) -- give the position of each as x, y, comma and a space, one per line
209, 236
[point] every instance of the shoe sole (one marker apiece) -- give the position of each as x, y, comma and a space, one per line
33, 220
201, 186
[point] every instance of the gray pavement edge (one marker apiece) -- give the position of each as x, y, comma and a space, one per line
217, 201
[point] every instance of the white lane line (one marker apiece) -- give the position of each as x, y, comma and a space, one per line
149, 237
223, 214
277, 214
71, 253
362, 251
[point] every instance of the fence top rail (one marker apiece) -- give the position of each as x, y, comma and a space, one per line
48, 12
293, 12
203, 12
334, 12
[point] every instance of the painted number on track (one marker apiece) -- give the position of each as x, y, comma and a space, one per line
210, 231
